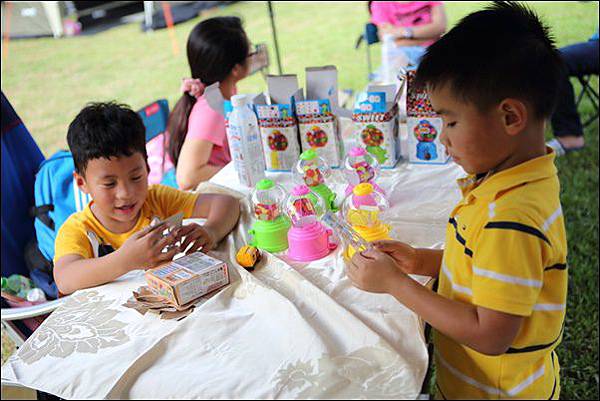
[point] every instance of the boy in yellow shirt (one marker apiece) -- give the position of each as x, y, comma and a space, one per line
499, 310
113, 234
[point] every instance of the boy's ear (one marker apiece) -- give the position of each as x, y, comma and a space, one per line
81, 183
239, 71
514, 115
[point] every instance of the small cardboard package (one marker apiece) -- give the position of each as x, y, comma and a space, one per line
318, 115
424, 127
375, 119
188, 278
278, 126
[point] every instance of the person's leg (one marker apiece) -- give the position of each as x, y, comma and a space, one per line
580, 58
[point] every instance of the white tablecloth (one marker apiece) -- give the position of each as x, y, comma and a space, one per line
287, 330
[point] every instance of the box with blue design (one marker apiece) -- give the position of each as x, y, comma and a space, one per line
318, 115
277, 123
424, 126
188, 278
375, 118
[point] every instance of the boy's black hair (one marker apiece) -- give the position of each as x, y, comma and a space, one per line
500, 52
105, 130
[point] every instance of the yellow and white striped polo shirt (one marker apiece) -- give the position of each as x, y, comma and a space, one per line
506, 250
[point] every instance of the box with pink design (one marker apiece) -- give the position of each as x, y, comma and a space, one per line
375, 118
277, 123
318, 115
424, 126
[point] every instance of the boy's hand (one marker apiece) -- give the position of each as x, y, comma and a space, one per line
373, 271
200, 236
405, 256
144, 248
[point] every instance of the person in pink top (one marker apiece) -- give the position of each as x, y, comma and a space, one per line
217, 51
413, 24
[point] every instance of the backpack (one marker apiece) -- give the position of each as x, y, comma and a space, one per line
57, 196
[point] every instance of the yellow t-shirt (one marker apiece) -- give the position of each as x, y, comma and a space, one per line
162, 202
506, 250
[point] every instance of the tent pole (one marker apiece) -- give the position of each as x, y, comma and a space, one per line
274, 36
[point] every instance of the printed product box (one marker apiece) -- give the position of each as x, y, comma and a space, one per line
318, 115
278, 126
424, 127
375, 118
188, 278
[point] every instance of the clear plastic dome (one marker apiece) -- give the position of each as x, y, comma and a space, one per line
360, 166
267, 200
311, 169
304, 207
365, 207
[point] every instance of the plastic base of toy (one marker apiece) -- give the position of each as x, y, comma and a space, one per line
376, 187
327, 195
369, 234
271, 236
309, 243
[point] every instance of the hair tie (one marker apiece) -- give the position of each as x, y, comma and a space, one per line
194, 87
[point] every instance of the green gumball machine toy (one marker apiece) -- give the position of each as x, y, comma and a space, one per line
312, 170
269, 231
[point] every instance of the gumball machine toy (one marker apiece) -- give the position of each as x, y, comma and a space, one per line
308, 239
312, 171
270, 229
361, 167
362, 210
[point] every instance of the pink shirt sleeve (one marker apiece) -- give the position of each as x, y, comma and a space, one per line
208, 124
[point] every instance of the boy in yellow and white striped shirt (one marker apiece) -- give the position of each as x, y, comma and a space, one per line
500, 307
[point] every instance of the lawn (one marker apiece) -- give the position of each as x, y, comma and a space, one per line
48, 81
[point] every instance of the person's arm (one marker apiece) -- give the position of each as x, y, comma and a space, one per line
423, 261
142, 250
420, 33
221, 213
484, 330
192, 166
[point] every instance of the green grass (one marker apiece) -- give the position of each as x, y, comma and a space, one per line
48, 81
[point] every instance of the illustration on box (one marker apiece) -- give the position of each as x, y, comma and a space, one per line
361, 167
269, 231
308, 239
312, 170
364, 209
277, 122
424, 143
376, 120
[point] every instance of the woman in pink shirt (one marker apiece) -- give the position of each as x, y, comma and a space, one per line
413, 24
217, 51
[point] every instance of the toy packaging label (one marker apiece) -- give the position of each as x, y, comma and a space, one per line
188, 278
424, 127
375, 118
277, 123
318, 115
424, 144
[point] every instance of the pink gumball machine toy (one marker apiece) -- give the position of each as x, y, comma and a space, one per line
308, 239
361, 167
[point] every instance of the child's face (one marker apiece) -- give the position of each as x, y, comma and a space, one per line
118, 186
476, 141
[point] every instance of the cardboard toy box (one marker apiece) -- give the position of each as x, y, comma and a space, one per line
424, 127
318, 115
375, 119
188, 278
278, 126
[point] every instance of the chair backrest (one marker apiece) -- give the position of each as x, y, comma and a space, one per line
155, 117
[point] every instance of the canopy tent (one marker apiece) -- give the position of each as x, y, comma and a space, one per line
21, 19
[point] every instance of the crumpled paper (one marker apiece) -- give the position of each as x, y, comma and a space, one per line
145, 300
